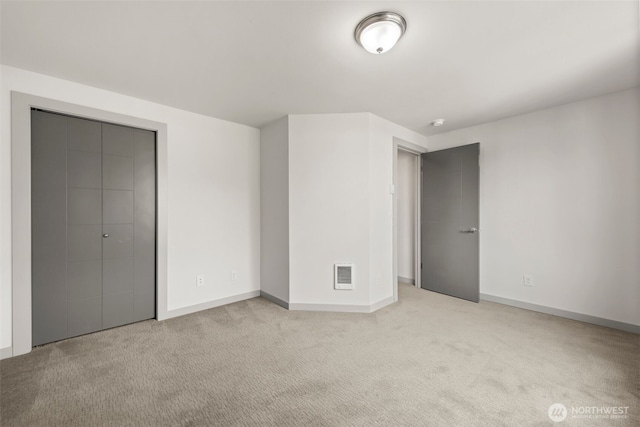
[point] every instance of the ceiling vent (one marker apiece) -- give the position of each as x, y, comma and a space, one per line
343, 276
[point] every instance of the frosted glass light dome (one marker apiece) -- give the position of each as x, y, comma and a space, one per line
379, 32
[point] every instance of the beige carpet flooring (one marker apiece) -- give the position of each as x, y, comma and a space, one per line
429, 360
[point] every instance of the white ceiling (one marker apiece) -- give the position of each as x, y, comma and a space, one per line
253, 62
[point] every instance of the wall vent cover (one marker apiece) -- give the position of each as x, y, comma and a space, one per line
343, 276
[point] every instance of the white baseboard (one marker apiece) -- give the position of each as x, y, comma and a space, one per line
614, 324
274, 299
342, 308
406, 280
6, 352
210, 304
380, 304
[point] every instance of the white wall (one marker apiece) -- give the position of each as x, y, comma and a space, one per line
274, 209
341, 207
213, 190
382, 135
328, 206
406, 194
560, 199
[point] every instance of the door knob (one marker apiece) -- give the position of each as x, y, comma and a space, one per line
470, 230
105, 235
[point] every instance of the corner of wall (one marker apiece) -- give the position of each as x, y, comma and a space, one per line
274, 209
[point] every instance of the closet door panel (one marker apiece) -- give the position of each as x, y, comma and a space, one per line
117, 172
117, 275
93, 226
84, 206
84, 223
48, 227
118, 148
117, 309
145, 224
84, 135
85, 316
84, 170
85, 279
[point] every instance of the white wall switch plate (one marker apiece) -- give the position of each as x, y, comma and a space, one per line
234, 275
200, 281
527, 280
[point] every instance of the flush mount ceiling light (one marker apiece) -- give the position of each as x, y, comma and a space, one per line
437, 122
379, 32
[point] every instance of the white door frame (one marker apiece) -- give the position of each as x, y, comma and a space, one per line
417, 150
21, 104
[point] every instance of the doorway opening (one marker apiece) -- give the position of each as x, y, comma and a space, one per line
406, 213
407, 186
441, 212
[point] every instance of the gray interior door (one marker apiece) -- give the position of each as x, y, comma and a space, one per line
449, 223
93, 226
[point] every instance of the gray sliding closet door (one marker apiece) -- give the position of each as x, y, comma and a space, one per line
93, 226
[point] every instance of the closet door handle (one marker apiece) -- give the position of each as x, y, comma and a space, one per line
105, 235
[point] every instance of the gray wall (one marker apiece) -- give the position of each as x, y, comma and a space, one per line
274, 209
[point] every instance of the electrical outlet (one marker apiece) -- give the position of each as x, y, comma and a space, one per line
527, 280
234, 275
200, 281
